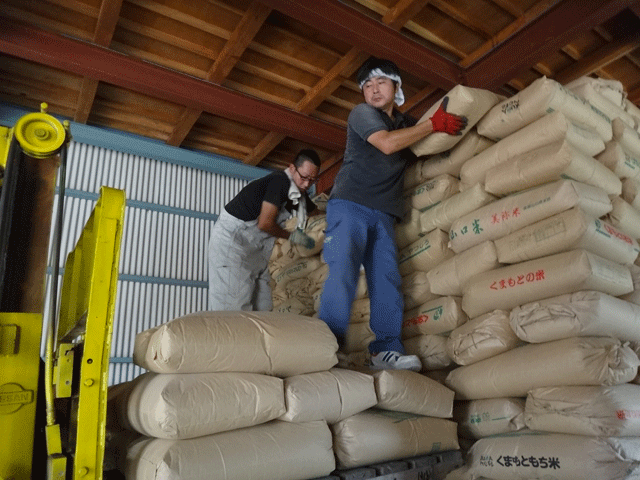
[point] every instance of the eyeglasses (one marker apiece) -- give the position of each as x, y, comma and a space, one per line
304, 178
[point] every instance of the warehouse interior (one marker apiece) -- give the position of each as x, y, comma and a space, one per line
181, 104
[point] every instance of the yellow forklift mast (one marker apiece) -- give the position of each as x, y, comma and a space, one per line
78, 339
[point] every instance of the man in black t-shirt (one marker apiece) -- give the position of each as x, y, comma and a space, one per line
243, 236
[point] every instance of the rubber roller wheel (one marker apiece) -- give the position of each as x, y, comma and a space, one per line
39, 134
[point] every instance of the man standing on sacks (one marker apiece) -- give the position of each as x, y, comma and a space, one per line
364, 205
242, 238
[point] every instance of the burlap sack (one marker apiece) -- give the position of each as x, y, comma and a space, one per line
431, 192
595, 410
295, 306
482, 337
544, 131
624, 217
390, 436
298, 269
448, 277
546, 164
180, 406
330, 396
436, 316
416, 290
430, 349
540, 98
572, 361
411, 392
451, 161
425, 253
271, 343
507, 287
565, 231
518, 210
534, 455
490, 416
248, 453
580, 314
472, 103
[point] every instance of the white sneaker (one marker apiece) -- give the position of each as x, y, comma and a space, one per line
391, 360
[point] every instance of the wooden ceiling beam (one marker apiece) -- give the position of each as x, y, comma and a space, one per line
369, 35
634, 96
403, 11
243, 34
121, 70
105, 27
599, 59
553, 30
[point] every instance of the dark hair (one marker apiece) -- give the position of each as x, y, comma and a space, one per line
387, 66
307, 155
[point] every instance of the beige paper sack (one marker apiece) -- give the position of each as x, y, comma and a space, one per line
330, 396
425, 253
472, 103
518, 210
547, 164
489, 416
619, 161
542, 96
628, 138
630, 189
430, 349
253, 452
565, 231
597, 100
595, 410
298, 269
507, 287
448, 277
390, 436
572, 361
416, 290
624, 217
482, 337
408, 230
451, 161
271, 343
431, 318
580, 314
432, 191
411, 392
544, 131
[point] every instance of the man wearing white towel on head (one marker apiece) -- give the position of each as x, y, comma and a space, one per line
244, 234
364, 205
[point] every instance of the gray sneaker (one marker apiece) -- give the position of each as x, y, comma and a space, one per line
390, 360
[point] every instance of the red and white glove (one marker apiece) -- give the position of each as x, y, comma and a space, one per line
447, 122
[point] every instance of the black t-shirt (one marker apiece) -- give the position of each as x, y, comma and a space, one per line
272, 188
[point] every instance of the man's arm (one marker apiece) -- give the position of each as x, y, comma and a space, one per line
267, 221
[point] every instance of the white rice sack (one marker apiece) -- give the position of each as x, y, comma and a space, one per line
430, 349
411, 392
611, 89
543, 456
518, 210
619, 161
448, 277
446, 212
389, 436
425, 253
298, 269
633, 297
315, 228
541, 97
583, 361
358, 338
580, 314
416, 290
482, 337
271, 343
627, 137
624, 217
432, 191
451, 161
630, 189
330, 396
544, 131
571, 229
634, 111
180, 406
295, 306
472, 103
254, 453
433, 317
547, 164
489, 416
600, 102
595, 410
408, 230
413, 174
507, 287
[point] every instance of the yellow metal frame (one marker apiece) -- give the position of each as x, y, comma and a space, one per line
87, 306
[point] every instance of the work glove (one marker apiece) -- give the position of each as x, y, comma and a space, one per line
298, 237
447, 122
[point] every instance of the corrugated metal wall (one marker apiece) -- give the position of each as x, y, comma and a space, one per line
163, 259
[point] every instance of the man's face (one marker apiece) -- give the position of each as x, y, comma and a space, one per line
379, 92
305, 175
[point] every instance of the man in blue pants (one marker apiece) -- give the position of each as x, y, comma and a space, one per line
364, 205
